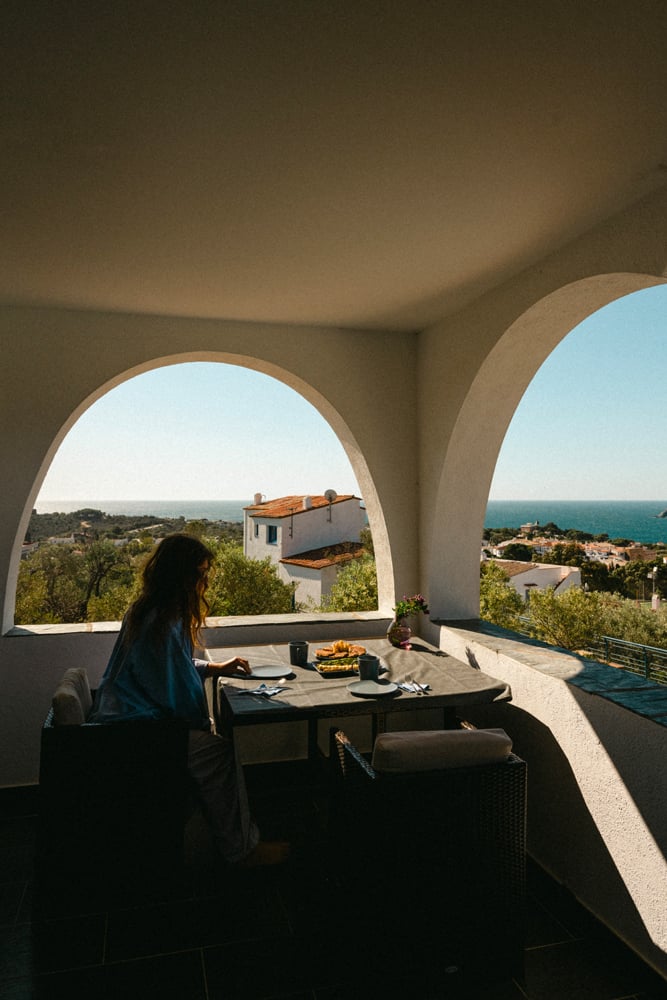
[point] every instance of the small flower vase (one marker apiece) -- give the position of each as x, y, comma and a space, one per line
399, 633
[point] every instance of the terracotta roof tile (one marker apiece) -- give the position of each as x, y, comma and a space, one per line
284, 506
514, 567
328, 555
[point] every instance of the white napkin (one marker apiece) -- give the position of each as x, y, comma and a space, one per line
412, 687
263, 690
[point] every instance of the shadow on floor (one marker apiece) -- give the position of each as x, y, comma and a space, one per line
282, 933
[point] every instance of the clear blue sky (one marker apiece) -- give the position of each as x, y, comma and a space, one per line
589, 427
198, 432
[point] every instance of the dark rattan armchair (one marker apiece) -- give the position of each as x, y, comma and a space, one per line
435, 858
113, 802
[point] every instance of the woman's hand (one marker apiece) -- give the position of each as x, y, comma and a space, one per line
237, 665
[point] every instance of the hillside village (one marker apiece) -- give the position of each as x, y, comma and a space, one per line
527, 557
310, 538
596, 549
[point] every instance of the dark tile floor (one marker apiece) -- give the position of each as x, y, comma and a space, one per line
261, 934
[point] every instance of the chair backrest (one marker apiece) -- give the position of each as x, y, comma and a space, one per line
72, 699
445, 846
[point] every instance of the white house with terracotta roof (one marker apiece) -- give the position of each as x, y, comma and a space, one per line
527, 576
309, 538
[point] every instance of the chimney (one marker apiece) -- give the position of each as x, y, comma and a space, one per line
307, 503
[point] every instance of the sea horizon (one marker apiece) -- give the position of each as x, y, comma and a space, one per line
210, 510
638, 520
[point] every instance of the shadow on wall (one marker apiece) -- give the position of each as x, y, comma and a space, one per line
563, 836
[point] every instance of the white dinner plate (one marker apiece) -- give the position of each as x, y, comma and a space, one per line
269, 671
371, 689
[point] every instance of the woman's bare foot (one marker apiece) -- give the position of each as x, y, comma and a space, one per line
267, 852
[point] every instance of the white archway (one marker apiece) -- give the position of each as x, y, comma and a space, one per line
481, 425
282, 374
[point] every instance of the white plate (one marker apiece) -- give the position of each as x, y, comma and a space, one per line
269, 671
371, 689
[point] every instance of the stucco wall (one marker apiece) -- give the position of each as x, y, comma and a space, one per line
597, 801
55, 361
475, 366
308, 581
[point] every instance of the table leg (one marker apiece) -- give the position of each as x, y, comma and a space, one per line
378, 725
449, 719
313, 747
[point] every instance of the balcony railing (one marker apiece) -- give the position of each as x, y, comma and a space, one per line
649, 662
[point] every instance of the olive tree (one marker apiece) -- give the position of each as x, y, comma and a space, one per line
242, 586
499, 602
355, 587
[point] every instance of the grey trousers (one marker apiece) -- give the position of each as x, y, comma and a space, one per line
220, 788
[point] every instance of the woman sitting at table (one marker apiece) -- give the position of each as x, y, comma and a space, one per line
152, 675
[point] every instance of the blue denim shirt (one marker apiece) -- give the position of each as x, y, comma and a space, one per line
153, 678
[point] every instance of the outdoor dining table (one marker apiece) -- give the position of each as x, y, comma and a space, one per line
308, 696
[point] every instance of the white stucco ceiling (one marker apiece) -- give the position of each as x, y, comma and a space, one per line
363, 164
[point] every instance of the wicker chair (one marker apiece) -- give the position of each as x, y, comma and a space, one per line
113, 802
438, 856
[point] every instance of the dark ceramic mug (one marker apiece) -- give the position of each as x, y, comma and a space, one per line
298, 653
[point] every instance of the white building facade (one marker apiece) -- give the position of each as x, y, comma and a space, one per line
308, 538
525, 576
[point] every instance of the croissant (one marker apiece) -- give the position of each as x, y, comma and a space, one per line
339, 650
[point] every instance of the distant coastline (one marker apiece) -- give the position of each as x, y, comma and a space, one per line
638, 520
210, 510
635, 519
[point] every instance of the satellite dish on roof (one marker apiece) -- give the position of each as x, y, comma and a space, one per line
330, 496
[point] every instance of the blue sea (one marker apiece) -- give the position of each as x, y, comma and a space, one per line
635, 519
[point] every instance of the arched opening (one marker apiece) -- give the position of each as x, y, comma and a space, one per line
493, 396
309, 445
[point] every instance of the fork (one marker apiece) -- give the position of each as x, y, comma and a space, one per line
416, 687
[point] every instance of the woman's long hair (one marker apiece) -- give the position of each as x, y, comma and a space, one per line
173, 586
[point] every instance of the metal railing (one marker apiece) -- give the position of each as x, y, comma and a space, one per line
649, 662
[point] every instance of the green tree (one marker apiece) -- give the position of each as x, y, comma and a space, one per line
30, 597
242, 586
498, 600
519, 551
196, 528
103, 562
366, 539
355, 587
54, 576
596, 576
631, 579
624, 619
112, 604
572, 620
574, 535
565, 554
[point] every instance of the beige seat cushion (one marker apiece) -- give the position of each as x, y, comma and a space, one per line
433, 751
72, 700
